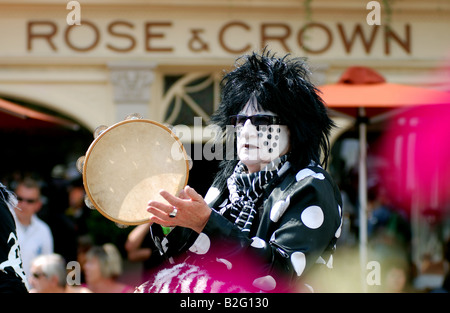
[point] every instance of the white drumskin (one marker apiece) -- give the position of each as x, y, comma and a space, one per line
122, 169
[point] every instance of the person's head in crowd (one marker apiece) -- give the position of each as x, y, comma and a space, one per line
28, 194
102, 269
104, 261
48, 274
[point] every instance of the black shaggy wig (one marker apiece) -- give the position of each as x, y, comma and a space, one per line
282, 86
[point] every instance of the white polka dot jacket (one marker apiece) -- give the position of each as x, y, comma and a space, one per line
295, 228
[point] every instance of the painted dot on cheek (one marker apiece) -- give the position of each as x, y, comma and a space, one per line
266, 143
269, 136
260, 134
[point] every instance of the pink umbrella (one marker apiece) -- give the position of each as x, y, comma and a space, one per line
416, 144
364, 94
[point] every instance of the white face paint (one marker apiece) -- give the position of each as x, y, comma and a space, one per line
256, 148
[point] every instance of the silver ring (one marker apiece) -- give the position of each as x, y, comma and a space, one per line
173, 213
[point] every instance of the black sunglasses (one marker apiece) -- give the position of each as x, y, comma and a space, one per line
257, 120
30, 201
38, 275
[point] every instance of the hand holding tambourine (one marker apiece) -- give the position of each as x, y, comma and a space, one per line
128, 164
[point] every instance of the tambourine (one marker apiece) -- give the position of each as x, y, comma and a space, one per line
127, 164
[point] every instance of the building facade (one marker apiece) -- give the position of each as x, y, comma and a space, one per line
154, 57
96, 61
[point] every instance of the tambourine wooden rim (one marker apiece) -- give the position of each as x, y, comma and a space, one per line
113, 210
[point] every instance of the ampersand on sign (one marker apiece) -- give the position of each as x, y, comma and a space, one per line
196, 43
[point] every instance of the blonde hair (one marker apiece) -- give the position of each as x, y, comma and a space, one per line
109, 258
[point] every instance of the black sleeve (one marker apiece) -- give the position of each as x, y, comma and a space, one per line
12, 276
175, 243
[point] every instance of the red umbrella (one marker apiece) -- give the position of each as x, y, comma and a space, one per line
362, 87
13, 116
364, 94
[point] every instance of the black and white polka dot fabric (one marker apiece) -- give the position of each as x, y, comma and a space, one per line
298, 223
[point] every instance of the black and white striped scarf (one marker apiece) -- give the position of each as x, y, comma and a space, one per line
246, 189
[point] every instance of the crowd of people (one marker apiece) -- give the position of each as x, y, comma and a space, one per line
100, 262
273, 212
51, 238
47, 246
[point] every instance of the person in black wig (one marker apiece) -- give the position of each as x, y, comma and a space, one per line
272, 212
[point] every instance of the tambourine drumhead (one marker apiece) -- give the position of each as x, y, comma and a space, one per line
128, 164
